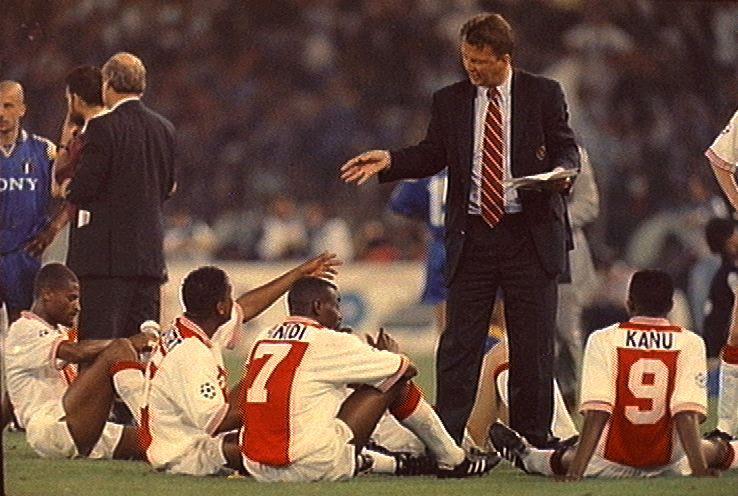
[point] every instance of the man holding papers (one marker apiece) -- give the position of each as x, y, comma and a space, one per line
498, 124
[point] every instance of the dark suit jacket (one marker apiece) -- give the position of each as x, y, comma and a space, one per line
716, 323
541, 140
125, 173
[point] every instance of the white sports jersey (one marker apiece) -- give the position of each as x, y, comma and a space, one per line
643, 372
187, 393
296, 382
35, 375
723, 152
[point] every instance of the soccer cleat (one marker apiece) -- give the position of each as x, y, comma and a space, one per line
408, 464
509, 444
364, 464
717, 434
473, 465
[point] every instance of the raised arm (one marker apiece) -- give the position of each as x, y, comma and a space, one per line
257, 300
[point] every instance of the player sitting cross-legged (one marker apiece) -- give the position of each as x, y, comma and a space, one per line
298, 423
643, 397
188, 414
66, 416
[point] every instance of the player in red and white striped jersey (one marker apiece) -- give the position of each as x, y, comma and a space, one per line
300, 426
64, 414
187, 411
643, 398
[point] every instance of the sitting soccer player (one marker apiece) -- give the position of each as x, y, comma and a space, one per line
66, 416
187, 411
298, 424
643, 386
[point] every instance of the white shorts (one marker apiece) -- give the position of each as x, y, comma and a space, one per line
47, 433
606, 469
204, 457
335, 461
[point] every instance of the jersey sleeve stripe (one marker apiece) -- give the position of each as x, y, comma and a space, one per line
216, 420
718, 162
689, 407
392, 380
602, 406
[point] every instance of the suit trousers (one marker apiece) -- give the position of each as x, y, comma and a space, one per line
500, 257
115, 307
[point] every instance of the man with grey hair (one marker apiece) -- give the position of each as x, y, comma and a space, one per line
125, 174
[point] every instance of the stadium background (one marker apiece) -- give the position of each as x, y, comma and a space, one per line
270, 97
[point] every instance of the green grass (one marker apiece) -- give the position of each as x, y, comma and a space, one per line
28, 475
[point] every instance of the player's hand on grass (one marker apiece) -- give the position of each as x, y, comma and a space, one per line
706, 472
383, 341
362, 167
322, 266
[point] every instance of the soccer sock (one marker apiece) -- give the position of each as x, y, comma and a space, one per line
128, 380
383, 464
539, 461
728, 398
563, 426
416, 414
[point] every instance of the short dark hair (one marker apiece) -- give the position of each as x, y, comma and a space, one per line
202, 289
717, 233
53, 276
304, 292
651, 293
85, 81
490, 30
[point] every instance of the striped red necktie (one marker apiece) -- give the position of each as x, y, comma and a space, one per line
491, 193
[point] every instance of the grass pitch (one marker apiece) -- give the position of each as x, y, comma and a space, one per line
28, 475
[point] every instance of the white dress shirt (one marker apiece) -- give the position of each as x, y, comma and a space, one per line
481, 102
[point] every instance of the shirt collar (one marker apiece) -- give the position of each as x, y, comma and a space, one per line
22, 136
658, 321
99, 114
126, 99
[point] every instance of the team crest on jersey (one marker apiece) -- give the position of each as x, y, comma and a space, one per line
42, 333
208, 391
171, 338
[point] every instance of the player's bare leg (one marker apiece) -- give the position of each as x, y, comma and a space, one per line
87, 401
364, 407
720, 453
487, 408
232, 452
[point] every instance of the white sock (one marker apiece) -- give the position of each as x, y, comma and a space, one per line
562, 426
383, 464
129, 384
538, 461
425, 424
728, 399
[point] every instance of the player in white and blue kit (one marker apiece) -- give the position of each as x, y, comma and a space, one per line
425, 199
26, 162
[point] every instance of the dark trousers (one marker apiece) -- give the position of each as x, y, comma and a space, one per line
115, 307
500, 257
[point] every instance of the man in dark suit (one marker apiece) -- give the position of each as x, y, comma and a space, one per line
125, 174
499, 124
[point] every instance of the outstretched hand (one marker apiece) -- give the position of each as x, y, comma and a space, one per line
322, 266
384, 341
362, 167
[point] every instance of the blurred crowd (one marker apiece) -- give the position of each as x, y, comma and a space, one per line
270, 97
